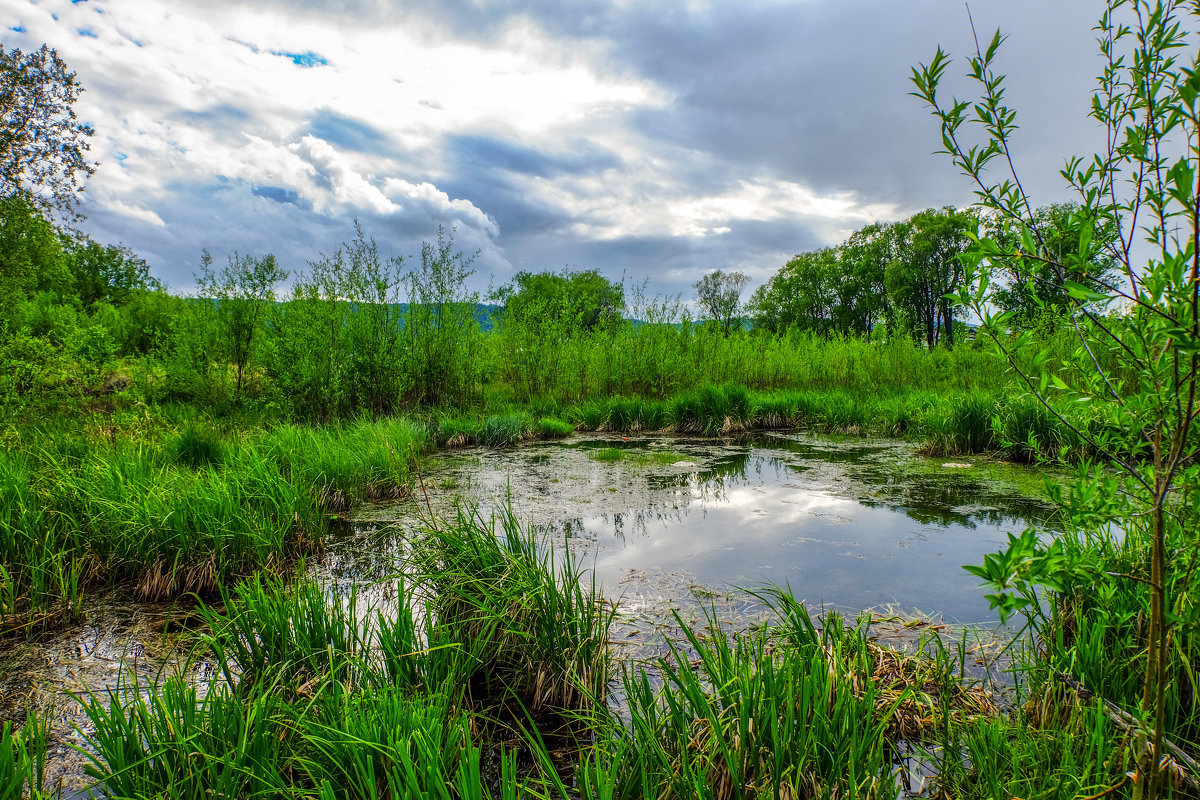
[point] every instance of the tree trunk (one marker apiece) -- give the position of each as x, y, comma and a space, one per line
1154, 688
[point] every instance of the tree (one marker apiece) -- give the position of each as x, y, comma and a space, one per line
243, 291
441, 327
720, 296
43, 146
582, 300
107, 274
31, 253
925, 269
863, 287
1042, 293
801, 296
1138, 337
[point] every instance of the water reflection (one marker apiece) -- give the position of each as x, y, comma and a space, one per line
849, 524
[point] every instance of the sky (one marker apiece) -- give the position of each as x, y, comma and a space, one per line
654, 141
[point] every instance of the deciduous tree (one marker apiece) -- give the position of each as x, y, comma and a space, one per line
43, 145
719, 294
243, 291
1138, 338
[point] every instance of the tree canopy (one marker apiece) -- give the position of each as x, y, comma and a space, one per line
43, 145
1030, 292
579, 299
31, 253
719, 294
896, 273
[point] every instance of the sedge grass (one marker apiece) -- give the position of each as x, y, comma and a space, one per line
768, 713
553, 428
535, 632
23, 758
797, 708
285, 635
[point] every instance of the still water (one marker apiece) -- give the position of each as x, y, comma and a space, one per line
847, 524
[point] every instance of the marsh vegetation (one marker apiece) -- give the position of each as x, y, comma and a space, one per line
201, 456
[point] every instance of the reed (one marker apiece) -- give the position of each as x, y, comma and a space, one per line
962, 424
272, 634
504, 430
197, 446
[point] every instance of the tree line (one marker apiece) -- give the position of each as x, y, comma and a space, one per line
905, 276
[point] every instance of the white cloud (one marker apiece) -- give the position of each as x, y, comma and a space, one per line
345, 187
210, 131
136, 212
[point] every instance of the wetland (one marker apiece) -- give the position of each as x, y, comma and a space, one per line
672, 529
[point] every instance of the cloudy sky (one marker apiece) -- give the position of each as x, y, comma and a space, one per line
652, 140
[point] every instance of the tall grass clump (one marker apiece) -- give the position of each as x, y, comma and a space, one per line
23, 758
187, 513
1092, 633
966, 423
712, 408
123, 514
769, 713
534, 631
178, 531
41, 564
286, 635
504, 430
316, 699
369, 459
1027, 431
773, 409
171, 740
197, 446
554, 428
1055, 749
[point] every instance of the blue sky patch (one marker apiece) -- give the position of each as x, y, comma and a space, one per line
307, 59
17, 29
280, 195
88, 32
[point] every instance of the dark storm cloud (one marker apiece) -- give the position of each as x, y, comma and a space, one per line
818, 91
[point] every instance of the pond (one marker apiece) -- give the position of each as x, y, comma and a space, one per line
848, 524
667, 525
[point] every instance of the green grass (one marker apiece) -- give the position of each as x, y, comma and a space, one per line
535, 629
319, 700
23, 758
608, 454
765, 714
188, 512
553, 428
196, 447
